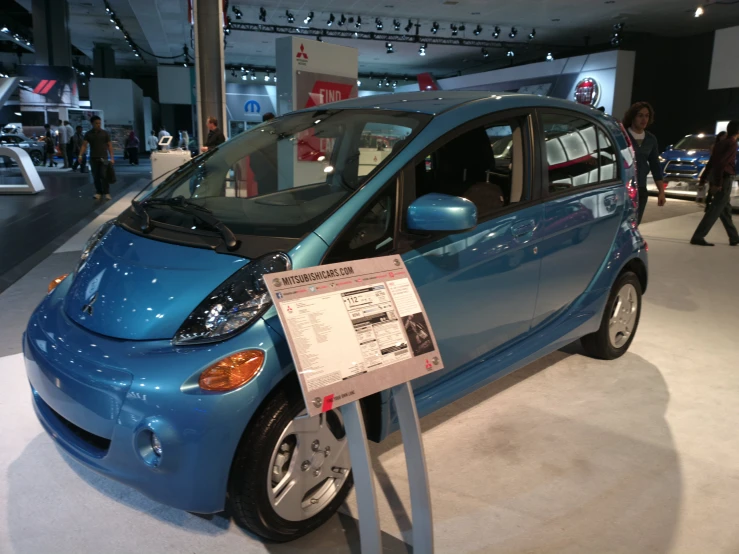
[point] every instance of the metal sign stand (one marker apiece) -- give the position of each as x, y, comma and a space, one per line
364, 476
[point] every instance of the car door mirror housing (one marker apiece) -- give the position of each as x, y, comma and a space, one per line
441, 213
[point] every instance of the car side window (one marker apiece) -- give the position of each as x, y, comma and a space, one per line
371, 234
484, 165
572, 152
607, 158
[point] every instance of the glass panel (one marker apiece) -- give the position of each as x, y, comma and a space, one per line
572, 152
607, 157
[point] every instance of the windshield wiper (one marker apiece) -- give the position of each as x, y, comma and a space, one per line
200, 212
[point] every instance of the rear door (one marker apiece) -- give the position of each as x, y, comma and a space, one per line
584, 202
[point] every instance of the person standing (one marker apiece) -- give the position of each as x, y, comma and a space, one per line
215, 135
132, 147
702, 193
64, 138
184, 140
49, 145
153, 141
77, 139
163, 133
637, 119
70, 148
101, 154
720, 172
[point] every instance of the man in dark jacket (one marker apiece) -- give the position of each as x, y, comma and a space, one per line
636, 121
77, 139
720, 173
215, 135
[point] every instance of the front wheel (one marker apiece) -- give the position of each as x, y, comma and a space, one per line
620, 320
37, 157
291, 472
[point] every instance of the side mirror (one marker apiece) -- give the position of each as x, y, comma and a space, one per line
442, 213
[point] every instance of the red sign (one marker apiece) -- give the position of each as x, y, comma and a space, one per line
325, 92
302, 53
587, 92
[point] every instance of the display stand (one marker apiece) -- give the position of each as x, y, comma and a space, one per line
364, 476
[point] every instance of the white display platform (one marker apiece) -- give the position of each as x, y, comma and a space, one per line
164, 162
33, 184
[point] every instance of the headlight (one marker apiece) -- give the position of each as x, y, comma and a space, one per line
24, 145
93, 241
661, 159
237, 302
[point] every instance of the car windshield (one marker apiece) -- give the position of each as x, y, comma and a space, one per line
696, 142
285, 176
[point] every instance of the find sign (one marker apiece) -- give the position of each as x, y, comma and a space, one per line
252, 106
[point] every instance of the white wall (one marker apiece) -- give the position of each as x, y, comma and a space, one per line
175, 85
723, 62
115, 98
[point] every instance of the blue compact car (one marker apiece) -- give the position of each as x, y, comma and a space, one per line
683, 164
160, 361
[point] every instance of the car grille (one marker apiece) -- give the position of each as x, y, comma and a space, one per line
681, 168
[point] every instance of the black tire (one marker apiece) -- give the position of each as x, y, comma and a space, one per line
248, 499
599, 344
37, 157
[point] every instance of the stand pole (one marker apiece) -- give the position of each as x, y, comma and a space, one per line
410, 428
364, 479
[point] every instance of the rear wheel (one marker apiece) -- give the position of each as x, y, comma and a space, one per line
620, 320
291, 472
36, 157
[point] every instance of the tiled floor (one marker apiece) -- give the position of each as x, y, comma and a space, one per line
568, 455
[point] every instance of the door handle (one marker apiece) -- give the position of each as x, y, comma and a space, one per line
610, 202
523, 228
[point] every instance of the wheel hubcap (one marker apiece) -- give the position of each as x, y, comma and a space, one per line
623, 318
309, 466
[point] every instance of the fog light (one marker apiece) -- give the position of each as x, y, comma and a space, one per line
232, 372
55, 282
156, 444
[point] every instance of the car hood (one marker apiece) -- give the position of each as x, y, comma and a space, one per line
685, 154
137, 288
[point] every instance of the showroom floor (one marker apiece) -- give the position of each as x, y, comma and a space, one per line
569, 455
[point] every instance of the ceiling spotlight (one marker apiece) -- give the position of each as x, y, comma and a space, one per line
422, 49
532, 34
485, 53
550, 58
359, 83
233, 72
266, 77
356, 34
243, 77
309, 18
290, 16
342, 20
237, 12
395, 84
477, 30
378, 24
496, 32
253, 75
396, 24
699, 11
618, 27
358, 24
227, 30
274, 78
510, 53
513, 32
435, 28
106, 9
389, 47
409, 26
331, 20
262, 15
455, 29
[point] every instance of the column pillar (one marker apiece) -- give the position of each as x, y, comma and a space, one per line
51, 32
103, 61
209, 66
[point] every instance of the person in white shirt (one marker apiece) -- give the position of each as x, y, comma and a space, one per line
152, 141
164, 133
64, 136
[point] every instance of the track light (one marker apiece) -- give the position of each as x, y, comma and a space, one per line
262, 15
510, 53
233, 73
243, 77
435, 28
496, 32
309, 18
532, 34
290, 16
359, 83
378, 24
699, 11
616, 36
477, 30
331, 20
342, 20
550, 58
409, 26
389, 47
253, 75
485, 53
422, 49
358, 24
513, 32
396, 24
237, 12
455, 29
266, 77
395, 84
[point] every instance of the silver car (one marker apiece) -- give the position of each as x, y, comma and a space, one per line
34, 148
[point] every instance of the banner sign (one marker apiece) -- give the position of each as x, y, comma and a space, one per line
48, 85
354, 329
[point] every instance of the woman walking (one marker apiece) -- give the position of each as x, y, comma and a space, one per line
132, 148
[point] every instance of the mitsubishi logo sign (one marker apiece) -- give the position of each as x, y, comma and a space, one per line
302, 53
587, 92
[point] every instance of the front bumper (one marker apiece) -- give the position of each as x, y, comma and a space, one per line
99, 398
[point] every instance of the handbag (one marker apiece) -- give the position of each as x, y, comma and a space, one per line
110, 173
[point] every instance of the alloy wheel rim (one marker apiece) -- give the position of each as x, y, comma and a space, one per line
308, 467
623, 317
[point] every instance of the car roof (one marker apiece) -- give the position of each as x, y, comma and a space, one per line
440, 101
